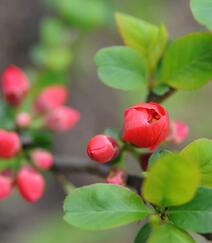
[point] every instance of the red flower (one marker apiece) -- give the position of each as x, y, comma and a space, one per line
23, 120
42, 159
51, 98
178, 132
116, 176
15, 85
102, 148
10, 144
146, 125
62, 118
30, 184
5, 186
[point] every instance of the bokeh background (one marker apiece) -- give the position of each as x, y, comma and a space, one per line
99, 105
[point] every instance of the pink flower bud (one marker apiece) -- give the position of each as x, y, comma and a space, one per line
50, 98
5, 186
178, 132
30, 184
146, 125
42, 159
116, 176
23, 120
15, 85
10, 144
62, 119
102, 148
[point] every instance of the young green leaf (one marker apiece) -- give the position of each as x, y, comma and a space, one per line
92, 14
201, 152
103, 206
121, 68
147, 39
168, 233
170, 182
195, 215
143, 234
187, 62
202, 11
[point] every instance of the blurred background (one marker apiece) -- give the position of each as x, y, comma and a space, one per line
101, 107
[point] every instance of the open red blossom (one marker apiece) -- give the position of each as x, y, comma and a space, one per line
146, 125
178, 132
10, 144
30, 184
62, 118
15, 85
42, 159
102, 148
5, 186
51, 98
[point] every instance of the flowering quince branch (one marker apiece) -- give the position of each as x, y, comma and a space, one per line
174, 187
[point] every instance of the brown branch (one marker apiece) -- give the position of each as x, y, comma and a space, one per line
66, 165
152, 97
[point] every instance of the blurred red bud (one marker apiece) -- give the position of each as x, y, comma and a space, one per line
5, 186
102, 148
116, 176
50, 98
146, 125
42, 158
15, 85
30, 184
23, 120
61, 119
178, 132
10, 144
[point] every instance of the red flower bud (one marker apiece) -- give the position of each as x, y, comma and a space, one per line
146, 125
42, 159
15, 85
5, 186
10, 144
51, 98
62, 119
144, 159
116, 176
30, 184
178, 132
102, 148
23, 120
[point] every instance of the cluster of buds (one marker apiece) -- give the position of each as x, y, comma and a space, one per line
146, 126
49, 107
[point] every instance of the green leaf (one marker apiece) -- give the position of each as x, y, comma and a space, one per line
56, 59
168, 233
143, 234
201, 151
170, 182
147, 39
202, 11
83, 13
187, 62
195, 215
53, 32
103, 206
121, 68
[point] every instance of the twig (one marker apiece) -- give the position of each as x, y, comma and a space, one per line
159, 99
66, 165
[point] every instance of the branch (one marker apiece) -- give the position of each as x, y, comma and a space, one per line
66, 165
152, 97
